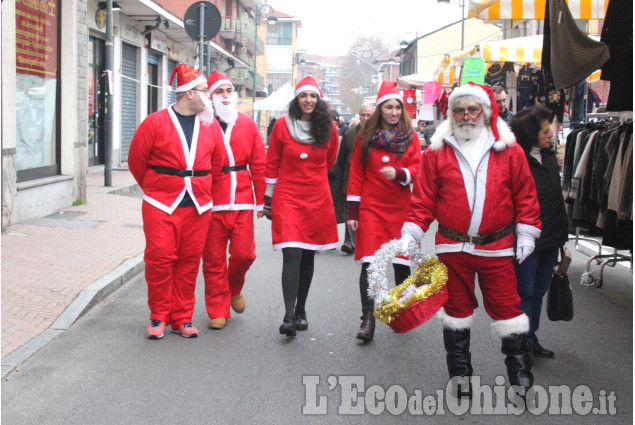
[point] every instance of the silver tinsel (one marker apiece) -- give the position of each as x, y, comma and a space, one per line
378, 270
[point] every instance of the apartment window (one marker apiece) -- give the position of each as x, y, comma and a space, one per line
280, 34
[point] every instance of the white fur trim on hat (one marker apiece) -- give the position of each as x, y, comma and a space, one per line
454, 323
307, 87
516, 325
189, 86
388, 97
219, 83
470, 90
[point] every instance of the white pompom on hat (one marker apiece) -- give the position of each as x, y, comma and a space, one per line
187, 77
388, 90
308, 83
217, 79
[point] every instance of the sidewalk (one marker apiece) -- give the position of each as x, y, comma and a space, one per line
56, 267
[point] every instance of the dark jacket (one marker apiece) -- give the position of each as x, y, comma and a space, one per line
552, 211
508, 117
339, 184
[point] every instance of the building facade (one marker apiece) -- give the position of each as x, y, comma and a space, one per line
54, 85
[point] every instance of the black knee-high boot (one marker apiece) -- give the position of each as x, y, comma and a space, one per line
459, 358
518, 362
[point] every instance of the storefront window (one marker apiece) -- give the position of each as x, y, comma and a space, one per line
36, 87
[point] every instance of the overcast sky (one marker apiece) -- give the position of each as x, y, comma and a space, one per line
330, 27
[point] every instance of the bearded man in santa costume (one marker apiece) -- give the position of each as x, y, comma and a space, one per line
475, 181
172, 155
242, 175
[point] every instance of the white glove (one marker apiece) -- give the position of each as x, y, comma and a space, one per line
524, 247
405, 242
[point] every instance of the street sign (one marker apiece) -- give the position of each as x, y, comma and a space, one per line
211, 20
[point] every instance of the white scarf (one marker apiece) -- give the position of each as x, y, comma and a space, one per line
300, 130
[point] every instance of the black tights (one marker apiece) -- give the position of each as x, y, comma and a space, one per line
401, 273
297, 273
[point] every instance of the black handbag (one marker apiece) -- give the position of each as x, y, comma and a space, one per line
560, 298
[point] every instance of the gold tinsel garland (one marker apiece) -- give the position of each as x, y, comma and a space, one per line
432, 273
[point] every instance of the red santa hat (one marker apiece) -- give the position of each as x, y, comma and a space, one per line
217, 79
187, 77
388, 90
308, 83
483, 95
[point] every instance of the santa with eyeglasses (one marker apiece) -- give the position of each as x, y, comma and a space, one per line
474, 180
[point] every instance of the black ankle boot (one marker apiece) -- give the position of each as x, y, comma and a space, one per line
301, 324
518, 362
459, 359
288, 325
367, 329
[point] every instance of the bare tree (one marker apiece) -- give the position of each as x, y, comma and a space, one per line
358, 69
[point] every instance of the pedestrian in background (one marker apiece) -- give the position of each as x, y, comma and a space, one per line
343, 165
533, 134
384, 162
242, 176
500, 96
302, 149
172, 156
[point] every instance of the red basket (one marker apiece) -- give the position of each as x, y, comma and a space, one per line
419, 312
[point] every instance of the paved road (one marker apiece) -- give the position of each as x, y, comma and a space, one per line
104, 371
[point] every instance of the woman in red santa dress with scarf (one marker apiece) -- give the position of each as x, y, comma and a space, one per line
384, 163
302, 148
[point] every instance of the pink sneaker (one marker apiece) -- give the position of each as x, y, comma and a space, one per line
155, 330
187, 330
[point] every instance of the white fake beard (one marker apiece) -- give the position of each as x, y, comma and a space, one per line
225, 109
468, 130
206, 116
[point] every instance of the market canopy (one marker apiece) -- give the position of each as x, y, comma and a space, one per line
277, 101
533, 9
416, 80
522, 50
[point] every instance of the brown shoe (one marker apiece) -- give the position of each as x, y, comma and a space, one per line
238, 303
218, 323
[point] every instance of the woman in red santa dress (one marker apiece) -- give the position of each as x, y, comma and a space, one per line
302, 148
384, 162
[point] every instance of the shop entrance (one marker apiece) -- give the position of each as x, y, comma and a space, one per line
96, 101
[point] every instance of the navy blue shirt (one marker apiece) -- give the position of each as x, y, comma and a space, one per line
187, 125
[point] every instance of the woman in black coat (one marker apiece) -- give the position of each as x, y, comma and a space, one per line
533, 133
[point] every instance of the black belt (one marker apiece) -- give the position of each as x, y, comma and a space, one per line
180, 173
227, 169
476, 240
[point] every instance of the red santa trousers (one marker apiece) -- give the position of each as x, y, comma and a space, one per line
496, 278
174, 245
224, 279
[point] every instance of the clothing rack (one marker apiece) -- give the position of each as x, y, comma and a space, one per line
602, 258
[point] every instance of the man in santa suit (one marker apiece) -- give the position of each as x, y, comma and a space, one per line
172, 156
475, 181
242, 175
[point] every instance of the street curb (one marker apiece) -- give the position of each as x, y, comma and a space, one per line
85, 300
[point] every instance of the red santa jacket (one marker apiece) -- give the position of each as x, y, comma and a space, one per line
159, 141
383, 203
243, 146
503, 191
